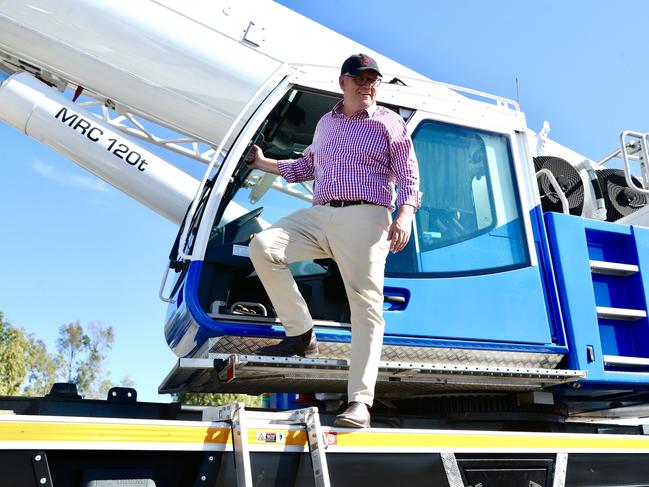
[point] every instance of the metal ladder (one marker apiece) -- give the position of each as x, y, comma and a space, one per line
238, 417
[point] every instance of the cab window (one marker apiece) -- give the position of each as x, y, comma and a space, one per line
470, 220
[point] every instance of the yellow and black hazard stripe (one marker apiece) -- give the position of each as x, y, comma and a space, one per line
84, 433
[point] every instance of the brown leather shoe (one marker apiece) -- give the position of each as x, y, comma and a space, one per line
304, 345
357, 415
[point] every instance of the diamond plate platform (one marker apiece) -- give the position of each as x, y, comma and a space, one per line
390, 353
255, 374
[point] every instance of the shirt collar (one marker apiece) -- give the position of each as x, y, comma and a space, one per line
338, 109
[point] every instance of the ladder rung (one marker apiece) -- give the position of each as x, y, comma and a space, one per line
284, 417
612, 268
618, 360
626, 314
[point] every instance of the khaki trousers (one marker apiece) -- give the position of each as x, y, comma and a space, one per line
356, 238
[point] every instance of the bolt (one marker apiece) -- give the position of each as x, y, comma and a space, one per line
211, 459
203, 478
43, 481
37, 458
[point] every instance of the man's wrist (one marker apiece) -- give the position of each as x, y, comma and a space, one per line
269, 165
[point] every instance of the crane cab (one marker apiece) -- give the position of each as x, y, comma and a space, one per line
469, 285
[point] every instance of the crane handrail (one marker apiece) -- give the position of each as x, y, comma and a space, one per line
565, 206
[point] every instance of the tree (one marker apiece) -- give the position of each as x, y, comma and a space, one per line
216, 399
26, 366
14, 353
43, 368
83, 355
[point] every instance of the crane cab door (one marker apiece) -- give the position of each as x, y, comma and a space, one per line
470, 270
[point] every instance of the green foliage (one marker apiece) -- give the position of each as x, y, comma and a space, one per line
27, 368
14, 353
215, 399
43, 368
83, 355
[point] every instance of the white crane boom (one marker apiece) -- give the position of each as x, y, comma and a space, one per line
190, 65
44, 114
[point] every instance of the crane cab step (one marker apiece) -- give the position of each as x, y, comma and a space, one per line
613, 268
256, 374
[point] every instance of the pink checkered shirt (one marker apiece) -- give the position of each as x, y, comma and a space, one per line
358, 158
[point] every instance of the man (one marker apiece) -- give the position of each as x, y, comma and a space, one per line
359, 151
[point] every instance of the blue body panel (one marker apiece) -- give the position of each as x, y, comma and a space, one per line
500, 311
502, 307
188, 327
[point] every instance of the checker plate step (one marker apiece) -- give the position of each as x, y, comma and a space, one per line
255, 374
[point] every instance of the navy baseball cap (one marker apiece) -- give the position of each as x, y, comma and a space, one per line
357, 63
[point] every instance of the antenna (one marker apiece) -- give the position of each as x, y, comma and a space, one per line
517, 99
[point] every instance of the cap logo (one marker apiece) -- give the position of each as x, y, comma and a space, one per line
365, 61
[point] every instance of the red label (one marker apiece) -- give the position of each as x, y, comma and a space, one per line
331, 438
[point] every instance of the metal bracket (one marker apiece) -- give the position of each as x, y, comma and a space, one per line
253, 35
41, 469
208, 471
122, 395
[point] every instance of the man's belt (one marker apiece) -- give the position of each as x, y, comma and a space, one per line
343, 203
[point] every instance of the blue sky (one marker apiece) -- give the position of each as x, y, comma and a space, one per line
76, 249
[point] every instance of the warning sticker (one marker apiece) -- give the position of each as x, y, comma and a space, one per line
271, 437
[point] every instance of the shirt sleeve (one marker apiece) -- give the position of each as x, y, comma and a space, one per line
404, 165
298, 170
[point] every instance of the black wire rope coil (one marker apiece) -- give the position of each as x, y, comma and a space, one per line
569, 181
619, 198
